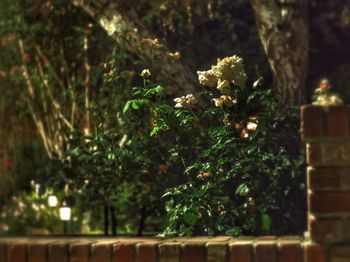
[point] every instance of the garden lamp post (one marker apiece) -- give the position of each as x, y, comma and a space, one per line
52, 201
65, 214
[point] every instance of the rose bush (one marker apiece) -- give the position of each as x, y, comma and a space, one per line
240, 158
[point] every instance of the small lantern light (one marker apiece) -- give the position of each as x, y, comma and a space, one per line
52, 200
65, 213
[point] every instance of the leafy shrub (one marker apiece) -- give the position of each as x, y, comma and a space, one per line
240, 157
29, 213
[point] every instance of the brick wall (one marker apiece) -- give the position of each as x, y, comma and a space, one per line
326, 133
197, 249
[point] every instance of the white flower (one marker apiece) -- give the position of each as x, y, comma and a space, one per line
224, 100
223, 86
111, 25
252, 124
218, 102
231, 69
145, 73
178, 105
191, 99
185, 101
335, 100
327, 100
207, 78
180, 101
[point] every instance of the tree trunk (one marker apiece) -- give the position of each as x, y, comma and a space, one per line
106, 220
125, 28
283, 30
113, 221
143, 216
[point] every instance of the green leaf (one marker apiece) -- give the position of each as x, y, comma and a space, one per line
242, 190
135, 105
154, 131
111, 156
127, 106
266, 222
190, 218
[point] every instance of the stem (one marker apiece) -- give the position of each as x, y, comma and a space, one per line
65, 228
114, 221
195, 116
106, 221
142, 220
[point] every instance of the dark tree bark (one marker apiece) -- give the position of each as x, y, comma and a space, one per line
143, 216
106, 220
283, 30
113, 221
125, 28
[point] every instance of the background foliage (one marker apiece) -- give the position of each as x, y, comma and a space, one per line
110, 159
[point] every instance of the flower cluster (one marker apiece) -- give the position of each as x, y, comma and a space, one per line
231, 69
323, 95
185, 101
207, 78
224, 100
244, 128
227, 74
227, 71
327, 100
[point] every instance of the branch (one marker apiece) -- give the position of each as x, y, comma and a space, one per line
38, 122
128, 32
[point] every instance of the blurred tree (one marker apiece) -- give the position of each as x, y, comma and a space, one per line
124, 27
283, 29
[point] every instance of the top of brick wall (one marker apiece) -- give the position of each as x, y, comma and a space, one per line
320, 123
195, 249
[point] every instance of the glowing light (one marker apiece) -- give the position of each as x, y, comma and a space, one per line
52, 200
65, 213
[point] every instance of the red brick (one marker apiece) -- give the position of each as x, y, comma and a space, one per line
58, 252
124, 251
169, 251
147, 251
79, 252
37, 252
16, 252
193, 251
312, 122
328, 154
241, 251
345, 179
338, 122
265, 251
324, 178
217, 251
101, 251
314, 155
326, 229
315, 253
329, 202
334, 154
340, 253
291, 251
347, 229
3, 254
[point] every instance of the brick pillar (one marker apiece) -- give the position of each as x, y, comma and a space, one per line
325, 130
